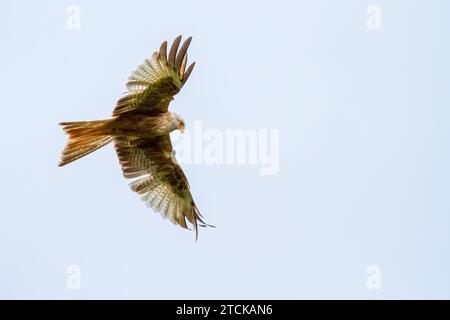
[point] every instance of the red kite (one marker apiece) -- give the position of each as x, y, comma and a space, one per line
140, 127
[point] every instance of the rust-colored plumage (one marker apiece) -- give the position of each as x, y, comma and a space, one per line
140, 129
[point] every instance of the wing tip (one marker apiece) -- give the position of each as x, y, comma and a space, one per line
187, 73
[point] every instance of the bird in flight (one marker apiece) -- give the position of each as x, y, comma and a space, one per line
140, 127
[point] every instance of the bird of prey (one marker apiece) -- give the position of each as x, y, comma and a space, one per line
140, 127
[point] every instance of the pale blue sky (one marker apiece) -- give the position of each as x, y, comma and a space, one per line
364, 173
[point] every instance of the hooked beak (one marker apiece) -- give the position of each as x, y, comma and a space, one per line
181, 127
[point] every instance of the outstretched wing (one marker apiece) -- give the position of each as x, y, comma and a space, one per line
160, 182
153, 84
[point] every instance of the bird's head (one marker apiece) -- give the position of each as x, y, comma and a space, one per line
179, 122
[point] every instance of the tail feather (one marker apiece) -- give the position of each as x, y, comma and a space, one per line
84, 137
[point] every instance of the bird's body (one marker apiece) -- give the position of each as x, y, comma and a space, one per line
138, 126
140, 129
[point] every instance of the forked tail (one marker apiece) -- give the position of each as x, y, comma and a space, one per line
84, 137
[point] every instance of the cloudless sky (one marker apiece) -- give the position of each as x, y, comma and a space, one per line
364, 177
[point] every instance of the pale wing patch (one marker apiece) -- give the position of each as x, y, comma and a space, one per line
160, 197
151, 71
153, 84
